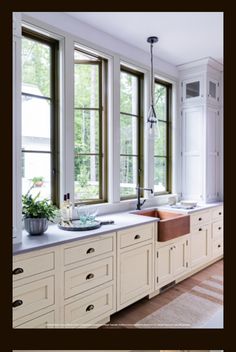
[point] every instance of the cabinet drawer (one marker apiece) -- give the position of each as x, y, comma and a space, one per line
88, 250
32, 297
202, 217
217, 213
135, 235
28, 266
217, 229
88, 276
89, 309
217, 247
42, 322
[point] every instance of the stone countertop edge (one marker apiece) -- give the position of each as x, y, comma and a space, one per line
54, 236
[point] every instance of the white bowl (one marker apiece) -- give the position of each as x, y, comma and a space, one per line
189, 203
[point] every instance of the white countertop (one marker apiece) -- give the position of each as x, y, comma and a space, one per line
54, 236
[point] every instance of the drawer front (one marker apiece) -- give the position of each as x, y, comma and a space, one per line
89, 309
199, 218
42, 322
25, 267
32, 297
135, 235
88, 276
217, 213
88, 250
217, 229
218, 247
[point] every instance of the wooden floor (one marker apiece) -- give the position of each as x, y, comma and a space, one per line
144, 307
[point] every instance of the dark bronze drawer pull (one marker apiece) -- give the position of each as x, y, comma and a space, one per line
89, 276
219, 228
200, 219
17, 271
219, 213
90, 307
137, 237
219, 245
90, 250
200, 229
17, 303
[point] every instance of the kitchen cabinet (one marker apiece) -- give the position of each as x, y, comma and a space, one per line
172, 261
217, 232
201, 115
34, 288
200, 245
135, 264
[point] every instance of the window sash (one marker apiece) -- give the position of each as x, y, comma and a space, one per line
167, 123
102, 179
54, 113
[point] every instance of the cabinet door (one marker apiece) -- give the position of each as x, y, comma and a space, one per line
213, 90
192, 90
135, 274
192, 153
180, 254
200, 245
164, 266
213, 159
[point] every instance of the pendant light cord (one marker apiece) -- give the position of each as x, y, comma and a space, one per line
152, 79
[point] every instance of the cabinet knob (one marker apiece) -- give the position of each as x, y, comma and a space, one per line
200, 229
220, 213
17, 271
137, 237
90, 250
219, 228
17, 303
90, 276
199, 219
90, 307
219, 245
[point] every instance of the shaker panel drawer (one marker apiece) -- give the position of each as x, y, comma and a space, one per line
135, 235
199, 218
88, 276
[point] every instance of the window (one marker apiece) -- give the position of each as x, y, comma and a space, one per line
131, 121
162, 145
39, 115
90, 128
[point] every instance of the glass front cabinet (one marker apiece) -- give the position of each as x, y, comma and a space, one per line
213, 90
192, 90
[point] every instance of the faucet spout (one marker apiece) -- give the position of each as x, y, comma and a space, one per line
139, 203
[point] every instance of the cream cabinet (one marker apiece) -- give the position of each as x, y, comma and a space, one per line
34, 298
135, 264
172, 261
200, 245
217, 228
89, 272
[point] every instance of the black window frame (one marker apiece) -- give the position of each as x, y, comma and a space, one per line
102, 110
168, 123
54, 109
140, 129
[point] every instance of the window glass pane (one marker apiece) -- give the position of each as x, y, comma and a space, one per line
160, 143
212, 89
36, 169
160, 98
192, 89
86, 86
86, 131
36, 127
160, 169
86, 177
36, 66
128, 175
128, 93
128, 134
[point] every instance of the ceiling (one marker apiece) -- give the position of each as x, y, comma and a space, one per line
183, 36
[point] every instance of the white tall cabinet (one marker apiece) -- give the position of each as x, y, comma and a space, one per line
201, 128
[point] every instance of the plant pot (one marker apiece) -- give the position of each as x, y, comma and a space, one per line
36, 226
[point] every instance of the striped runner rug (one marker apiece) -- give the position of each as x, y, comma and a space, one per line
192, 309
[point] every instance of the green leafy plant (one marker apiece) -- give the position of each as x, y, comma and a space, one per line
34, 208
37, 179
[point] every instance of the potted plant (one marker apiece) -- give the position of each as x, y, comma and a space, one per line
37, 213
38, 181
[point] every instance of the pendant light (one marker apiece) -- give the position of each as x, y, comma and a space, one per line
152, 118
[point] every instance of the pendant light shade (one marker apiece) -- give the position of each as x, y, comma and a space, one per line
152, 118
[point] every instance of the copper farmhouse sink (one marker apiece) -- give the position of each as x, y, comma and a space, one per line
171, 225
